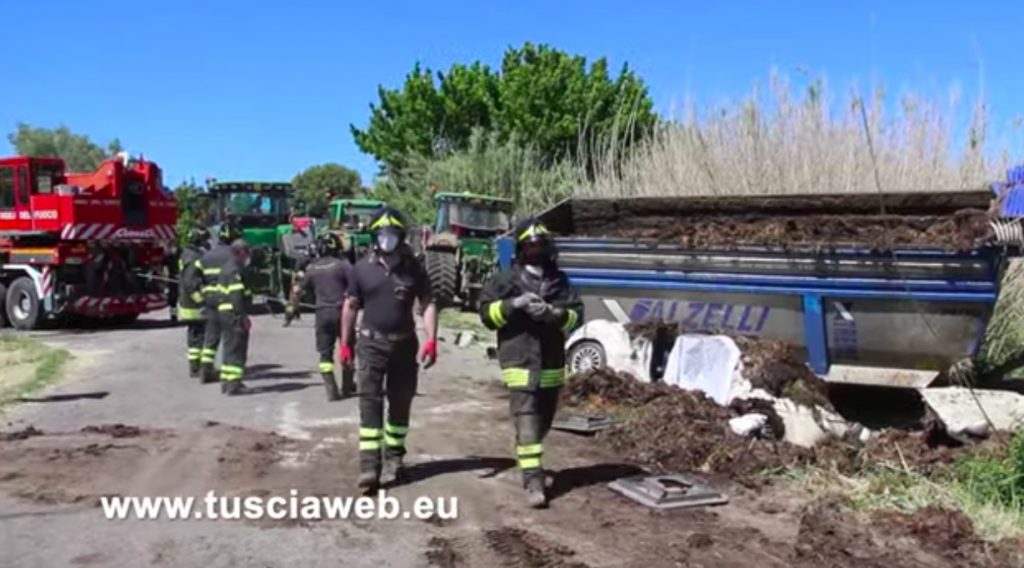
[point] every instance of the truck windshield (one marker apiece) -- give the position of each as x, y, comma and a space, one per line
478, 216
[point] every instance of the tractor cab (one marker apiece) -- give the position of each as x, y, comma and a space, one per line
251, 204
471, 216
350, 219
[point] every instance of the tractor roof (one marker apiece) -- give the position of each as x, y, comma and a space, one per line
250, 187
471, 197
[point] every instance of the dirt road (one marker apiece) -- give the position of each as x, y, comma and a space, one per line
180, 438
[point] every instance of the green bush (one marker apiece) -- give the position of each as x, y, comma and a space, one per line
995, 478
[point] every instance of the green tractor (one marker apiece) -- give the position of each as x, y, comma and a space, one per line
460, 254
350, 218
262, 212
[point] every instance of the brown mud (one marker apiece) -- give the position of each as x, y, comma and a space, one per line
955, 221
114, 430
24, 433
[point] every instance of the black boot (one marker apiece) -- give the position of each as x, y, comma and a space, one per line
535, 494
234, 388
208, 374
330, 385
369, 481
394, 471
193, 369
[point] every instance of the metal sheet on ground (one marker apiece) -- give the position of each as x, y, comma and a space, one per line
584, 424
668, 491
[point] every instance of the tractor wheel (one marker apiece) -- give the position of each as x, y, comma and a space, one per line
3, 302
443, 273
23, 309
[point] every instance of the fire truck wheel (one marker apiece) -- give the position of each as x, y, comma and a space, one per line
3, 302
23, 307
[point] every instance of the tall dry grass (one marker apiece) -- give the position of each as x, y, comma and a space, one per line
784, 139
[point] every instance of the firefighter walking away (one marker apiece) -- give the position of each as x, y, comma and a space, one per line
384, 285
532, 307
190, 285
328, 276
233, 313
209, 268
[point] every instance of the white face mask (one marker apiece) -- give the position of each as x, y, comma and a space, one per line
387, 242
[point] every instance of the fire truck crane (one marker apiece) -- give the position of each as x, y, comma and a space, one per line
82, 244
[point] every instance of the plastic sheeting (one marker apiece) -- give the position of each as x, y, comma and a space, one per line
708, 363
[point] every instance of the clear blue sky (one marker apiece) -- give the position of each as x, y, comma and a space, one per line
260, 90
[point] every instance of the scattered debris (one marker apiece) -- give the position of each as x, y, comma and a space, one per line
668, 491
520, 548
114, 430
778, 368
443, 553
584, 424
22, 434
465, 338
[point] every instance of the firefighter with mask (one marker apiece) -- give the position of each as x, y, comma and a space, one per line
190, 308
385, 285
209, 268
233, 314
328, 276
532, 307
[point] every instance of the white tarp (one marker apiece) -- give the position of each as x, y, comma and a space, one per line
707, 363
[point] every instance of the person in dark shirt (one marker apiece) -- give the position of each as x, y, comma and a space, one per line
328, 276
384, 285
532, 307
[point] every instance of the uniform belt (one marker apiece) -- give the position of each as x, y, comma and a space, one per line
374, 334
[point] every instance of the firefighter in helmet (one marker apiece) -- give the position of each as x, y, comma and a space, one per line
385, 285
190, 308
532, 307
328, 276
233, 307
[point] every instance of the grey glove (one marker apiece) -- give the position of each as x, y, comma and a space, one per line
546, 313
523, 301
538, 310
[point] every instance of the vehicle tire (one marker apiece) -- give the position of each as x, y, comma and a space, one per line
124, 319
585, 356
3, 302
443, 273
23, 308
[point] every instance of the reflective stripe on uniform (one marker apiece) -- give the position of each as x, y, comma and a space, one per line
231, 372
516, 378
394, 435
369, 438
552, 378
194, 353
529, 455
212, 271
236, 287
326, 367
494, 312
189, 313
208, 355
571, 319
226, 307
196, 297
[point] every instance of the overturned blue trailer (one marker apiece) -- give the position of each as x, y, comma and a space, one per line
896, 308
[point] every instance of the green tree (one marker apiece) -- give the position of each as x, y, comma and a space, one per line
545, 97
79, 152
317, 185
193, 207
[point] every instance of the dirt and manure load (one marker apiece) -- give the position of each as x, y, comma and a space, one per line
949, 220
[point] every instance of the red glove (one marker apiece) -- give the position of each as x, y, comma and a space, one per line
345, 355
428, 355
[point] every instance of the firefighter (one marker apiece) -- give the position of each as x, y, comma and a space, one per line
233, 313
293, 311
209, 269
328, 276
190, 309
384, 285
532, 307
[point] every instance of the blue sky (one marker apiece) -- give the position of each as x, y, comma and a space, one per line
260, 90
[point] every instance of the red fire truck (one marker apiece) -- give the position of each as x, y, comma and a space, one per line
82, 244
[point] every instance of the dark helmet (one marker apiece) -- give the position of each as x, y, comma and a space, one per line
228, 233
329, 244
534, 244
389, 229
198, 236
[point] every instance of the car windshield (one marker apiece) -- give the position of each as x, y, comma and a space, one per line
244, 203
478, 216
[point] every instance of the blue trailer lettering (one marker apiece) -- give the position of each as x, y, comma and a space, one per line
701, 316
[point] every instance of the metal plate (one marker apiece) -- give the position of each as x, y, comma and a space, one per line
668, 491
584, 424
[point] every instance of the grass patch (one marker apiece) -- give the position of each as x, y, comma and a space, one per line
459, 320
29, 365
988, 488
